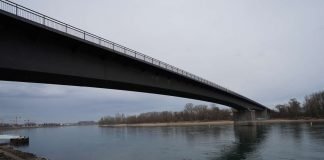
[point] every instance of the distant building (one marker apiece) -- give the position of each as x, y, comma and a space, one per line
5, 125
30, 124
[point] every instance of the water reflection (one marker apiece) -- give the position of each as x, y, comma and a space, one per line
316, 132
294, 130
226, 142
247, 140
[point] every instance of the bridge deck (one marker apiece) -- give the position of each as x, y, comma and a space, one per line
53, 24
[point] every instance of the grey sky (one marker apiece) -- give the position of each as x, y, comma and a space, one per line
269, 51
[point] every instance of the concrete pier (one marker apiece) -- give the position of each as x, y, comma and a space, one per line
249, 117
262, 115
246, 117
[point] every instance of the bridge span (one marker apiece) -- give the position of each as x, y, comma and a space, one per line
40, 49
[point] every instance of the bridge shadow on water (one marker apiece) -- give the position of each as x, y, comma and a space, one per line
247, 141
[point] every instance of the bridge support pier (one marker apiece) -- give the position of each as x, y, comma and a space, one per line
261, 115
249, 117
246, 117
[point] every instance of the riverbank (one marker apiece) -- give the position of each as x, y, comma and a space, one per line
290, 121
9, 153
198, 123
33, 127
194, 123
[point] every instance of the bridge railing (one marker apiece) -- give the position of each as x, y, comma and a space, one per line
42, 19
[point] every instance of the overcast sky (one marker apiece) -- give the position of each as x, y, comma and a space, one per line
269, 51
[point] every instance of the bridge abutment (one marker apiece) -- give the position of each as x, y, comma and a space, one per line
249, 117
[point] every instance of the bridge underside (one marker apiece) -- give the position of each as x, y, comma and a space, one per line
33, 53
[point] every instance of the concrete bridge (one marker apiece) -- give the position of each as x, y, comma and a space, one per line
37, 48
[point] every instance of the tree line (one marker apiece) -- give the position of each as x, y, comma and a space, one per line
312, 107
190, 112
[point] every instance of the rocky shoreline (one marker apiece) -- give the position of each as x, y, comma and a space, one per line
10, 153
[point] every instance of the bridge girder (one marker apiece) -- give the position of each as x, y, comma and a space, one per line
34, 53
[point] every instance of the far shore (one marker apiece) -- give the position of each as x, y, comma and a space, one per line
199, 123
33, 127
194, 123
290, 120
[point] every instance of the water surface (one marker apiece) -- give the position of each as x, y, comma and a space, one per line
266, 142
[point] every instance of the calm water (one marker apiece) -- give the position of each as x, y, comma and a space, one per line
268, 142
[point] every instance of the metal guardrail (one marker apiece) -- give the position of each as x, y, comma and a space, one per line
44, 20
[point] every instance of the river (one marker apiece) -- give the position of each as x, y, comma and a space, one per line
223, 142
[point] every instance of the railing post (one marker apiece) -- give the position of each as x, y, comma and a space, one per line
84, 35
113, 46
16, 9
66, 27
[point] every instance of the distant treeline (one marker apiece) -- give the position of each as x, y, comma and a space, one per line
190, 112
312, 107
